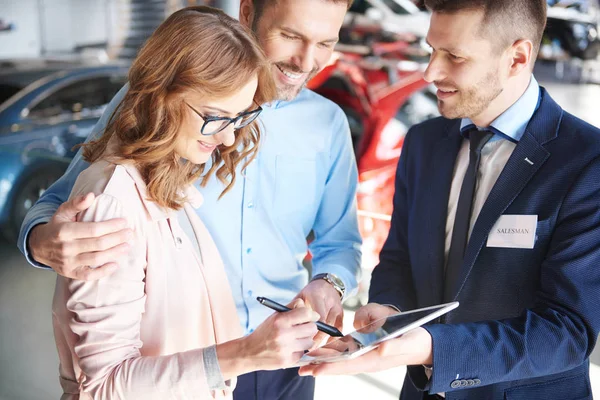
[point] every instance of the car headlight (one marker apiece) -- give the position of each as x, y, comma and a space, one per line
580, 31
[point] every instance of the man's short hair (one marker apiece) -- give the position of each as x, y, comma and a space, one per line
504, 20
261, 5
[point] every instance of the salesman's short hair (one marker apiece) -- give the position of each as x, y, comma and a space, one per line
506, 21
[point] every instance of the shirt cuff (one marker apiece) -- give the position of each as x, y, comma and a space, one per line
214, 377
24, 239
393, 307
429, 374
350, 281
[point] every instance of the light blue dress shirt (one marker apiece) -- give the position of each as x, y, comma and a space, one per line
511, 124
304, 179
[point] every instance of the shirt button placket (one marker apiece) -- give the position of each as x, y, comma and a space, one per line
246, 235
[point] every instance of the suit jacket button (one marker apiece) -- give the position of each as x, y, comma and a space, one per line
455, 384
470, 382
477, 381
463, 383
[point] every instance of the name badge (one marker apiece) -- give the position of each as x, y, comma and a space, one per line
513, 231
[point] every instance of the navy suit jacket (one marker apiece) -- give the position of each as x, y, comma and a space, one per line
528, 318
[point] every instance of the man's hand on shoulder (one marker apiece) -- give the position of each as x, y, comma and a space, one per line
71, 248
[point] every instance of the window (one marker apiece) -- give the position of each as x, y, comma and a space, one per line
359, 6
396, 8
7, 91
400, 7
85, 96
419, 107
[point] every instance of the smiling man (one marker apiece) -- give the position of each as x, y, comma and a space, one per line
298, 47
304, 179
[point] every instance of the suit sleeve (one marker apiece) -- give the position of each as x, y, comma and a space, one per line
556, 335
392, 282
106, 317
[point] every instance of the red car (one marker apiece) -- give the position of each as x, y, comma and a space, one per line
382, 97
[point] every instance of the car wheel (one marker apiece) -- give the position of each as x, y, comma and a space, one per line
28, 191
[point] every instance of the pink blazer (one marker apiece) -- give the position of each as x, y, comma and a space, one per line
139, 333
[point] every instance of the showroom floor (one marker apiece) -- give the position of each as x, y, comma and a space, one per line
28, 360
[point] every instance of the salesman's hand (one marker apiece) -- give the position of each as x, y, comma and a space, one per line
370, 313
322, 297
70, 247
412, 348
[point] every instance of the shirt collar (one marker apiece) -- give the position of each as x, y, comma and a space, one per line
275, 104
155, 211
511, 123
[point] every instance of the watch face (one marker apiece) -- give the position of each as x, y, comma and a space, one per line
337, 281
333, 280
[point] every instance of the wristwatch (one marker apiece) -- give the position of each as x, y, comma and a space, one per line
334, 281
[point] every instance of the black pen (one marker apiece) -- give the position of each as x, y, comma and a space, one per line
273, 305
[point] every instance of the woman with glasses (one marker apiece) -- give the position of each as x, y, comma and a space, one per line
164, 325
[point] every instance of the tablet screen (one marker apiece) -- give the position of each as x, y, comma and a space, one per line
375, 333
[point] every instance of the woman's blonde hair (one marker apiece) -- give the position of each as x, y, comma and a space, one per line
197, 49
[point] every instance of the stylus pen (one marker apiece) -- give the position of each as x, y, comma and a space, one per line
273, 305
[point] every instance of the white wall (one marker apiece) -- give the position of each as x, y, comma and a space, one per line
24, 39
71, 23
89, 21
52, 26
56, 25
231, 7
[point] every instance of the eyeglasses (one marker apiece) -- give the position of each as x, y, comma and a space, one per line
213, 125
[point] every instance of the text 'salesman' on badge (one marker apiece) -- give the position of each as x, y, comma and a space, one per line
514, 231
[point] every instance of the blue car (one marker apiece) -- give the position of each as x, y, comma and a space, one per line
46, 108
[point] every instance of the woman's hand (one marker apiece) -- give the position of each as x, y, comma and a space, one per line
279, 342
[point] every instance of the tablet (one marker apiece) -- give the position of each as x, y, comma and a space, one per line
369, 337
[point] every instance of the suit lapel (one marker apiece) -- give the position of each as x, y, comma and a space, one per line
435, 210
527, 158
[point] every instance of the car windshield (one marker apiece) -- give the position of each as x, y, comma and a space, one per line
7, 91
